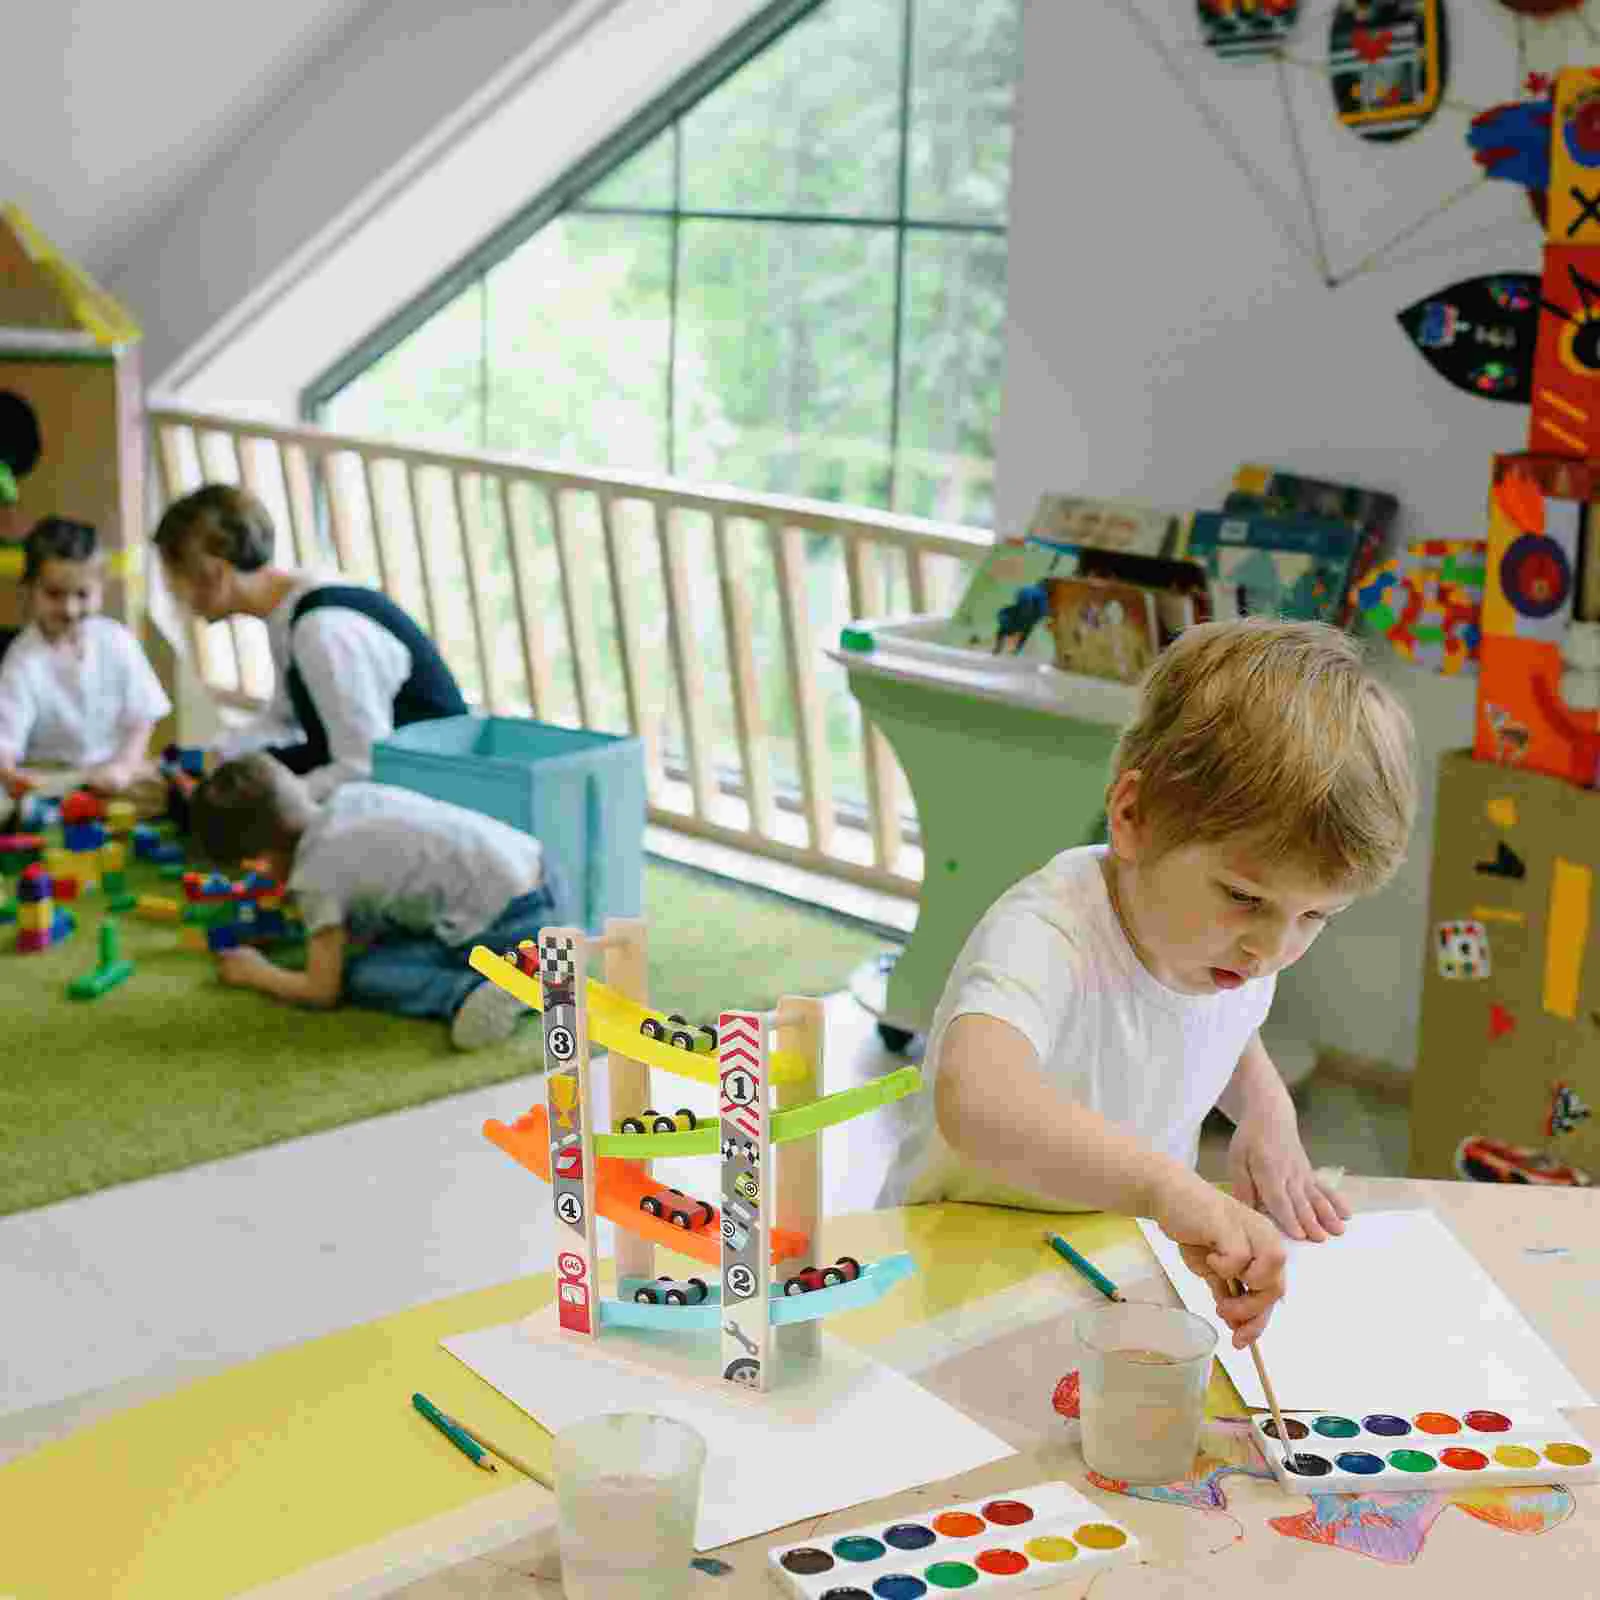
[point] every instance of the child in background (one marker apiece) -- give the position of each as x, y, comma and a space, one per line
1105, 1004
423, 880
349, 665
78, 699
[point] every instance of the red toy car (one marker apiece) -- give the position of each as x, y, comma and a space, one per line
845, 1270
690, 1214
1490, 1161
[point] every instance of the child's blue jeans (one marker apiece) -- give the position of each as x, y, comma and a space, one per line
424, 977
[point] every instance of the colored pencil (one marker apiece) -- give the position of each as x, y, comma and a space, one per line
463, 1441
1086, 1267
505, 1455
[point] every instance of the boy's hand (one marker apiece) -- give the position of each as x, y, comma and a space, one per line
1220, 1240
242, 967
1269, 1171
110, 777
17, 781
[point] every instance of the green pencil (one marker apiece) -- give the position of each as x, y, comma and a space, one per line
463, 1441
1087, 1268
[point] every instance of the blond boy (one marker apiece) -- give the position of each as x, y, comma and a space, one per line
1105, 1004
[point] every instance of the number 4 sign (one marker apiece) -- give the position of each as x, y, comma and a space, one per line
563, 974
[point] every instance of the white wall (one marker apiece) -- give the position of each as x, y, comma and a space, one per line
411, 145
1162, 330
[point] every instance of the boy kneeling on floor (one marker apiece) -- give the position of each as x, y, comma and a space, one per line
422, 880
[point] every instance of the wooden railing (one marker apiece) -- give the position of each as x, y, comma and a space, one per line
691, 615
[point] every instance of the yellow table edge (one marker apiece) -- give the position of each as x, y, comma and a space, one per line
296, 1458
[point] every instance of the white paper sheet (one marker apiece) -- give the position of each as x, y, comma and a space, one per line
856, 1431
1394, 1314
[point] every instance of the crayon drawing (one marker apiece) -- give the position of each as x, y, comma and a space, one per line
1392, 1528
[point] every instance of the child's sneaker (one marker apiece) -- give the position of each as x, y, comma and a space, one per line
487, 1016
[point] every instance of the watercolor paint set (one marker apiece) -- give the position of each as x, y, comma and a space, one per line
1021, 1540
1383, 1452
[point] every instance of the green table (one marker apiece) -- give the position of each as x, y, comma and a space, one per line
1008, 765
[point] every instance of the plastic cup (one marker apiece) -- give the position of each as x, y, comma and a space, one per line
1142, 1389
627, 1497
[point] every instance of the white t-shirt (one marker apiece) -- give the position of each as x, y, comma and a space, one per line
380, 856
72, 705
352, 668
1050, 958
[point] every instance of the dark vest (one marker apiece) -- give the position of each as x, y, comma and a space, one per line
430, 690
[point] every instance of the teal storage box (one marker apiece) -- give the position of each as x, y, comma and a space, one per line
580, 794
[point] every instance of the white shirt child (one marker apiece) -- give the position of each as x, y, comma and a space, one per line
73, 704
1050, 957
352, 668
380, 856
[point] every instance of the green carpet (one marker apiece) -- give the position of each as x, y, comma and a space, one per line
172, 1069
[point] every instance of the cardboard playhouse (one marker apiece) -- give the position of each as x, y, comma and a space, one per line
1508, 1064
71, 425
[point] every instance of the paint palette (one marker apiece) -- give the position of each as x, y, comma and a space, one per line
1383, 1452
1022, 1540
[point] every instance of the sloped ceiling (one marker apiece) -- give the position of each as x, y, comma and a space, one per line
110, 111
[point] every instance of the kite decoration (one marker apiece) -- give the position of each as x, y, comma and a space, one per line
1388, 60
1239, 30
1480, 334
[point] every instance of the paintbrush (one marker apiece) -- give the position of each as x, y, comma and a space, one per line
1266, 1383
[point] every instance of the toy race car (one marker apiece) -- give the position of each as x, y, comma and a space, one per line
1490, 1161
678, 1030
845, 1270
648, 1120
524, 957
689, 1214
669, 1291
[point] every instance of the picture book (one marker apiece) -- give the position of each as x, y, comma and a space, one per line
1105, 524
1001, 612
1182, 588
1103, 629
1269, 492
1295, 567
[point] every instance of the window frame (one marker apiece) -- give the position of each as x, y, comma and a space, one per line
564, 195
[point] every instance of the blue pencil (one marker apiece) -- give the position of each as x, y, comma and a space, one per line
1087, 1268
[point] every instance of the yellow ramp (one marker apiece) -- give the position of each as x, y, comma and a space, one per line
614, 1025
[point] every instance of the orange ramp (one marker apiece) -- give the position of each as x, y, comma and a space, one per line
618, 1188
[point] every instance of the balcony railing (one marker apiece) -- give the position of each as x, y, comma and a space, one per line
691, 615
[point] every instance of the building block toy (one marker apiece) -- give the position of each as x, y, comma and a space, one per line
110, 970
113, 877
81, 805
149, 844
83, 836
157, 908
120, 818
18, 849
748, 1317
40, 922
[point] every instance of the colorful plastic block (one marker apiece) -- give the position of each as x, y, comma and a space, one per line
110, 970
34, 884
82, 805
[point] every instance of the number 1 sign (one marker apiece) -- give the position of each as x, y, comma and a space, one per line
746, 1197
563, 973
